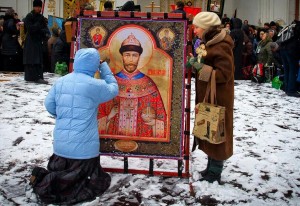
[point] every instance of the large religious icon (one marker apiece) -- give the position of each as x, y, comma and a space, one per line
146, 118
138, 112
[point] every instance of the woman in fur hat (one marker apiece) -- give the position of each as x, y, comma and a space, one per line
219, 55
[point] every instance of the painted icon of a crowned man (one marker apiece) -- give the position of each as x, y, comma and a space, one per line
138, 110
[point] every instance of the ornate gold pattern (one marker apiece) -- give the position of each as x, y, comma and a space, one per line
94, 3
52, 6
72, 6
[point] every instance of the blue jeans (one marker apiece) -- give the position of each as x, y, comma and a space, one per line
290, 65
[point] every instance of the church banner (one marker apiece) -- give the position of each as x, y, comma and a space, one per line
54, 22
147, 58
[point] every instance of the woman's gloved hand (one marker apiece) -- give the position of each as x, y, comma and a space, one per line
194, 63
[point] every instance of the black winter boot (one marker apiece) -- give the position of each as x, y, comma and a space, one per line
214, 171
205, 172
37, 175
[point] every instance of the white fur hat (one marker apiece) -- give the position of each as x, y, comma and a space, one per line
206, 19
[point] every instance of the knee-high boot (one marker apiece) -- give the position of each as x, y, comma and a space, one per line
214, 171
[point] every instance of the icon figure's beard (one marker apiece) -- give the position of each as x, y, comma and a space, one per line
130, 67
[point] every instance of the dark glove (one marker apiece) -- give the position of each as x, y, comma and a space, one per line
193, 61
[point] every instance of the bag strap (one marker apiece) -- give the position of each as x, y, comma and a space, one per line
207, 90
211, 88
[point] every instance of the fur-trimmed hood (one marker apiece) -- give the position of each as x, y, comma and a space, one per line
211, 37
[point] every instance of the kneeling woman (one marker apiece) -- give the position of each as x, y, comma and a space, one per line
74, 172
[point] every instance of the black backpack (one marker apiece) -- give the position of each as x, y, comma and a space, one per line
289, 32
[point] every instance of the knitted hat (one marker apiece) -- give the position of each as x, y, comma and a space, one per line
37, 3
206, 19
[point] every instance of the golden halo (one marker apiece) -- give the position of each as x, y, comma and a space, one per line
161, 33
120, 35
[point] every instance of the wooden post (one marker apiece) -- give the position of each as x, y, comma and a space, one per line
43, 7
297, 10
73, 26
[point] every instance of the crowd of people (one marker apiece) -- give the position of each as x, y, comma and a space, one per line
28, 46
262, 45
253, 45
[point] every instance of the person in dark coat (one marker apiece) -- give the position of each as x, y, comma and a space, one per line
36, 31
61, 49
46, 61
1, 33
179, 8
225, 19
219, 55
128, 6
11, 49
237, 35
290, 55
108, 6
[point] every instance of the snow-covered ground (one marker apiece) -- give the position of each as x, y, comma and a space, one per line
264, 170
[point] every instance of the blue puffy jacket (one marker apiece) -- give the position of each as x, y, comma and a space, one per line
74, 100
